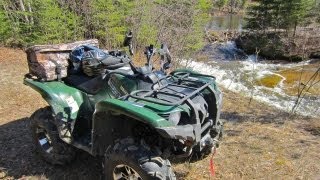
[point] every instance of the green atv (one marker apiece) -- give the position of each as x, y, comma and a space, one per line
136, 119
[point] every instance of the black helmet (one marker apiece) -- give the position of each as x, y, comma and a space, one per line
91, 62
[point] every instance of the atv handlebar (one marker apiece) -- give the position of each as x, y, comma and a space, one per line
151, 51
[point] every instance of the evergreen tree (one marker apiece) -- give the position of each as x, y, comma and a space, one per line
278, 14
144, 22
15, 22
314, 16
109, 21
54, 24
5, 28
221, 3
316, 11
295, 13
243, 4
260, 16
236, 5
195, 37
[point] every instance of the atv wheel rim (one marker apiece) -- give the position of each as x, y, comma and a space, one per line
125, 172
44, 139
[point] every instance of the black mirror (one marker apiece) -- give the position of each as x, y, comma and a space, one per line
166, 66
149, 52
127, 39
165, 57
128, 42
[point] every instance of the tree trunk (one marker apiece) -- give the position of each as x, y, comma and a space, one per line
30, 11
22, 7
295, 29
8, 13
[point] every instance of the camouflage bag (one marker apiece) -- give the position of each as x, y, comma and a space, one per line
50, 62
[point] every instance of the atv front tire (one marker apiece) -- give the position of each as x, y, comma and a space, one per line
46, 138
130, 160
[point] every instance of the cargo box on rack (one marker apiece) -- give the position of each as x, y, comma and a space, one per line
50, 62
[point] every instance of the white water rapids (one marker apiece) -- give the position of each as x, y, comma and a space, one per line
237, 72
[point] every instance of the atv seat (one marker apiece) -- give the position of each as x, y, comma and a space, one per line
90, 85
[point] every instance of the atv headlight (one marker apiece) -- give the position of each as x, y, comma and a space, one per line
174, 117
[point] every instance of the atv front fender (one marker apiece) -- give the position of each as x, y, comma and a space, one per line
134, 111
114, 118
64, 100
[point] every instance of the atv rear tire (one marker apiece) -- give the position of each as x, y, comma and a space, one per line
46, 138
130, 160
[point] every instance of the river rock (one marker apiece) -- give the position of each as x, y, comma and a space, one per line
315, 55
279, 45
221, 35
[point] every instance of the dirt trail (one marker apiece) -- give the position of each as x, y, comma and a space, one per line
260, 142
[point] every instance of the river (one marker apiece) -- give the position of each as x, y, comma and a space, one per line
275, 83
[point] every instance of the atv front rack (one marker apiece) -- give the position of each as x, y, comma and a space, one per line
149, 95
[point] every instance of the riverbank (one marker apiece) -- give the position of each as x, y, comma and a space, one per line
260, 141
272, 44
280, 45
